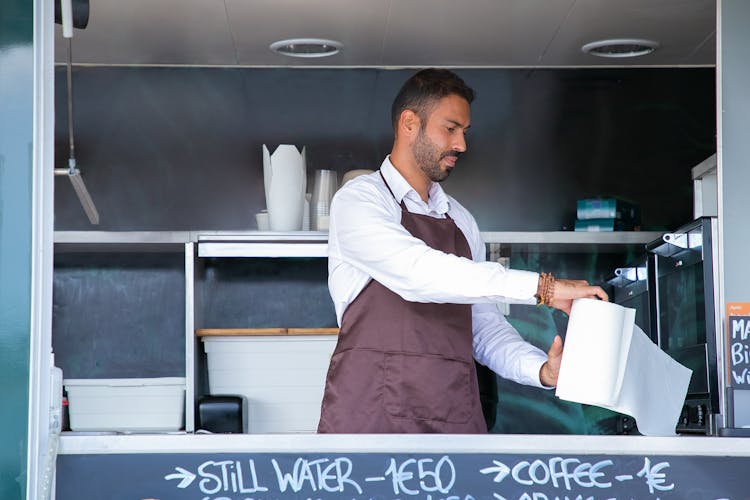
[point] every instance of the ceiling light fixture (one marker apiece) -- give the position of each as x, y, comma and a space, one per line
620, 47
307, 47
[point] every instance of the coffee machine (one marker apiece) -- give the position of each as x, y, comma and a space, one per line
683, 296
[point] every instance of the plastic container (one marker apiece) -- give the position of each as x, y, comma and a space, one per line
282, 378
56, 398
126, 404
55, 428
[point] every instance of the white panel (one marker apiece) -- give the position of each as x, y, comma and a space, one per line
282, 378
244, 249
152, 32
476, 33
680, 26
359, 25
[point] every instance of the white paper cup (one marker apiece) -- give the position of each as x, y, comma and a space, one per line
322, 222
351, 174
261, 219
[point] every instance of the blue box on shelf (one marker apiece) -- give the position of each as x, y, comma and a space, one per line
608, 208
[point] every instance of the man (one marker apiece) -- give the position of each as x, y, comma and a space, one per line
414, 297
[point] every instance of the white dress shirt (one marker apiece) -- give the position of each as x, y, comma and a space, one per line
367, 241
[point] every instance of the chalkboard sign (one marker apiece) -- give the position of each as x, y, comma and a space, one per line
459, 476
738, 338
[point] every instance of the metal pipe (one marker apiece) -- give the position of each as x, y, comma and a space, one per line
71, 142
72, 172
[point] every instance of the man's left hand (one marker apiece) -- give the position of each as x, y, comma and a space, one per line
550, 370
566, 291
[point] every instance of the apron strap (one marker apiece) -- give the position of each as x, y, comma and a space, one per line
403, 205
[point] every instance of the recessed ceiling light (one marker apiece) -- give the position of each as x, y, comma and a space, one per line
307, 47
620, 47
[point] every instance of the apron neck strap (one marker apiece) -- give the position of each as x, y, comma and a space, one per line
403, 206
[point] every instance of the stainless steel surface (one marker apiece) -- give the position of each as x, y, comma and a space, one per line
72, 444
572, 237
260, 236
723, 420
313, 243
306, 245
121, 241
191, 342
262, 249
37, 338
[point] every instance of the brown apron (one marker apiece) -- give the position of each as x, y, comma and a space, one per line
405, 367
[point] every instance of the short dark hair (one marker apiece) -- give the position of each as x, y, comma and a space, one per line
421, 92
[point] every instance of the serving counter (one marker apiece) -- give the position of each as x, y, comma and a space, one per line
194, 465
309, 466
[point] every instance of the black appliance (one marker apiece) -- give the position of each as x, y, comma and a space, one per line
683, 295
629, 287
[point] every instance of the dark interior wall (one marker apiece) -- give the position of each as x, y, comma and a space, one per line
180, 148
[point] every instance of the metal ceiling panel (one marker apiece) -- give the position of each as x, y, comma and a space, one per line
359, 25
476, 33
388, 33
151, 32
680, 27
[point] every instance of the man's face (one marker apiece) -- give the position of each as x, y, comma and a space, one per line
441, 139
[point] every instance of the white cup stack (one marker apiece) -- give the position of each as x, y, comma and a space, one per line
325, 185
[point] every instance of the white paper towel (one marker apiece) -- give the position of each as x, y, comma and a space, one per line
609, 362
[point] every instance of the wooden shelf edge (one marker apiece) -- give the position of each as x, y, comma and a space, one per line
239, 332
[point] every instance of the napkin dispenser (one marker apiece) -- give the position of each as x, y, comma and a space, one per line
220, 414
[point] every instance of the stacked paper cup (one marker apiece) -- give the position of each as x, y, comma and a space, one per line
285, 178
325, 185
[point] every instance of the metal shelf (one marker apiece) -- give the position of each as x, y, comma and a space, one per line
314, 243
121, 241
572, 241
263, 244
572, 237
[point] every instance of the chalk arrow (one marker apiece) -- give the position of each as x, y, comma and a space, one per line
186, 477
500, 470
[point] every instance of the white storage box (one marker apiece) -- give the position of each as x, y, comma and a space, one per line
126, 404
281, 377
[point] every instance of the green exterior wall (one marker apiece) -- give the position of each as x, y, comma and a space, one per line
16, 139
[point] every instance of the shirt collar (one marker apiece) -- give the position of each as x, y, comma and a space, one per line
437, 200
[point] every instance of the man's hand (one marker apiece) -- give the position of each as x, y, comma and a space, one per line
568, 290
550, 370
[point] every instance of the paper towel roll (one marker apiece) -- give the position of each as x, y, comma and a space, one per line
609, 362
595, 351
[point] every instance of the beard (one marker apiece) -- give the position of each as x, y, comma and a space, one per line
427, 154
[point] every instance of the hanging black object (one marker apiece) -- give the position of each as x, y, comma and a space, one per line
80, 13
